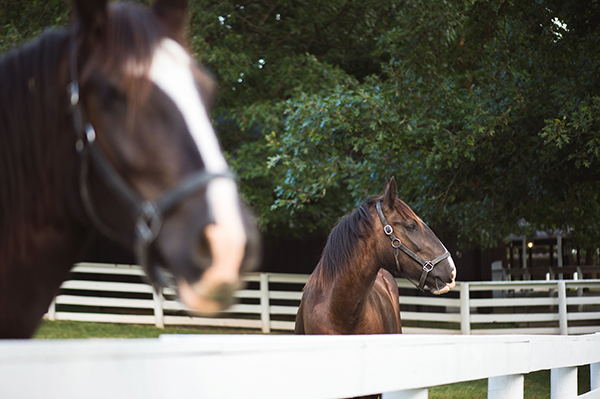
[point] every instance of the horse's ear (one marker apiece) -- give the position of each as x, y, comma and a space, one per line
389, 192
93, 15
173, 14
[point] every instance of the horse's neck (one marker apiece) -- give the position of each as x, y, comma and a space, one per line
38, 173
349, 295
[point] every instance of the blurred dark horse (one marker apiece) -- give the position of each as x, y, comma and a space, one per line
104, 127
352, 290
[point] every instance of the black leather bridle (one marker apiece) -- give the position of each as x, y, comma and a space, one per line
149, 214
427, 265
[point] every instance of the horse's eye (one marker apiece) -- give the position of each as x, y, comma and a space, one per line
411, 227
110, 95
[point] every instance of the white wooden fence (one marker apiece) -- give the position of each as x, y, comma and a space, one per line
118, 294
291, 367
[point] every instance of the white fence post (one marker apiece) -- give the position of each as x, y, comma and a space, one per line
465, 317
579, 289
562, 308
52, 310
265, 314
594, 376
563, 383
407, 394
158, 308
506, 387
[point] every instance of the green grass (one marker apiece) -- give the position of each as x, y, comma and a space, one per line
462, 390
76, 329
537, 385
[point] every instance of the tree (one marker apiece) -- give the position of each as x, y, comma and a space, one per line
486, 112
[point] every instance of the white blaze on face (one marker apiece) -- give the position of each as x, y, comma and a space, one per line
171, 71
450, 285
452, 265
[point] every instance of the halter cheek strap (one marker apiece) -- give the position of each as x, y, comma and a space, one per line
427, 265
149, 215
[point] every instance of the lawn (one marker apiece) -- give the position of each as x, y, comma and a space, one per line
76, 329
537, 385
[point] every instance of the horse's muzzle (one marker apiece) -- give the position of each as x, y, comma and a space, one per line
445, 289
216, 288
441, 287
207, 297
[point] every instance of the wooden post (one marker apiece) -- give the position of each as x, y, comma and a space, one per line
511, 261
524, 258
530, 256
551, 290
265, 314
579, 289
506, 387
407, 394
158, 308
559, 254
563, 383
465, 316
562, 308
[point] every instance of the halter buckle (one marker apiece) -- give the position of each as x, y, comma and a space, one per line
394, 241
90, 133
428, 266
149, 222
79, 146
388, 230
74, 92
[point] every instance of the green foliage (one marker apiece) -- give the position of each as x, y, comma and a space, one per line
475, 109
486, 112
20, 22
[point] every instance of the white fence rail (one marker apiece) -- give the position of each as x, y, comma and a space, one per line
291, 367
110, 293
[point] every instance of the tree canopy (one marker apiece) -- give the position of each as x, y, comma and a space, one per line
486, 112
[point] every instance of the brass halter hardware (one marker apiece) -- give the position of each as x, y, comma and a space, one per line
427, 265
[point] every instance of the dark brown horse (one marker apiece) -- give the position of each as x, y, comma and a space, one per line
352, 290
104, 127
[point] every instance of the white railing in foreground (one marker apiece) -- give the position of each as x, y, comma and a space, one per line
291, 367
109, 293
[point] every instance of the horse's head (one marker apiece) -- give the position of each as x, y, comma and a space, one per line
153, 176
419, 254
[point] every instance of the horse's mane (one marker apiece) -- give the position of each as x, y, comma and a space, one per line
30, 108
131, 37
35, 126
343, 242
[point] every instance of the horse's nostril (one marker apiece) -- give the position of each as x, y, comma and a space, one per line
223, 294
205, 298
203, 251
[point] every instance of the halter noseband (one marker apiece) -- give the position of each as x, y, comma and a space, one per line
428, 265
149, 214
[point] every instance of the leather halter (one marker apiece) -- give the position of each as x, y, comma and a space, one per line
149, 214
427, 265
